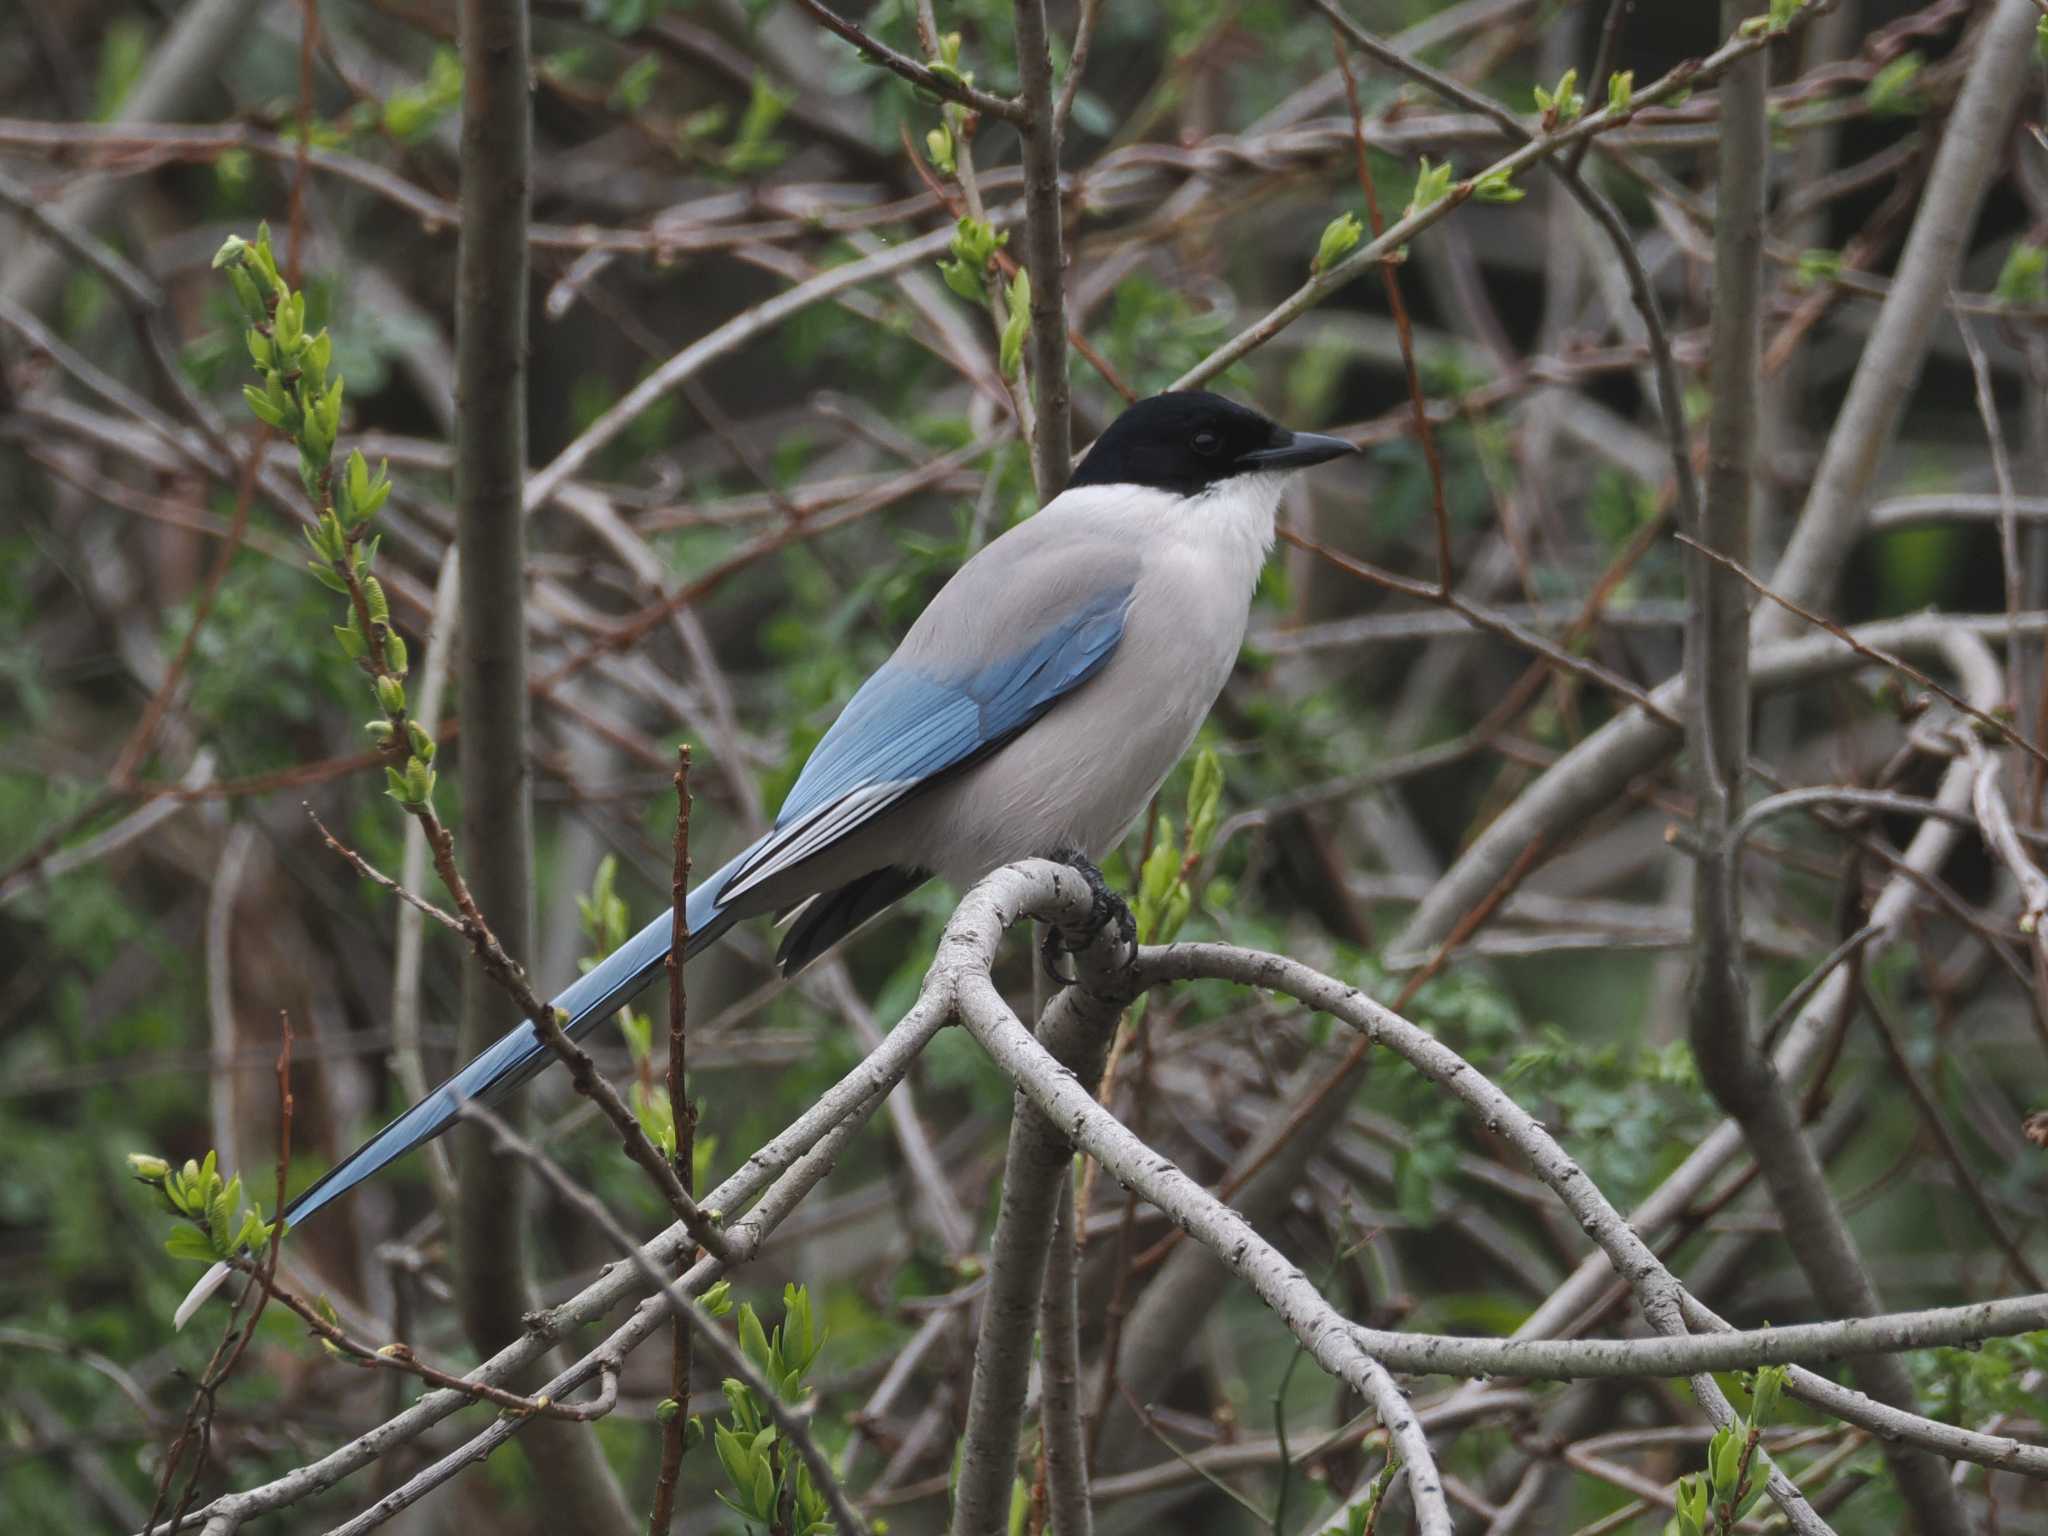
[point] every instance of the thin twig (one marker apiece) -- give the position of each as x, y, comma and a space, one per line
683, 1116
1883, 658
794, 1426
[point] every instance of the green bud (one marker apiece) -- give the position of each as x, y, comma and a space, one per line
394, 652
380, 730
1497, 187
423, 746
248, 295
1432, 186
149, 1169
391, 695
262, 407
290, 325
938, 144
1018, 326
351, 641
666, 1410
358, 477
378, 604
1765, 1393
319, 351
1339, 236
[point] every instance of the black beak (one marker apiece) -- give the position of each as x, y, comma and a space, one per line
1299, 451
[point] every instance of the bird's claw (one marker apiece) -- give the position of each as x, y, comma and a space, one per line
1106, 910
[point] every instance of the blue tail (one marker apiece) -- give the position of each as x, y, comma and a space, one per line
519, 1053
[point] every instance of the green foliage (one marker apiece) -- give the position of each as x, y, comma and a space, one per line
1967, 1386
1432, 186
1817, 266
1156, 332
769, 1483
1710, 1503
974, 246
1017, 325
219, 1225
1339, 236
1497, 187
1164, 895
606, 924
2024, 277
1562, 105
409, 115
299, 400
1361, 1518
1894, 91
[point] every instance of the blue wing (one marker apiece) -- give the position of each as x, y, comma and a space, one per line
907, 726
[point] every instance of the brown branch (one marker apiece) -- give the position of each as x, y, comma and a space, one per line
1052, 440
952, 89
121, 776
1425, 434
506, 973
1870, 652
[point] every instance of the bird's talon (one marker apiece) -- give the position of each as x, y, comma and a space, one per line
1049, 951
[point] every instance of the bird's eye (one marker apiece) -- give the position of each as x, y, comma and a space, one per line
1207, 442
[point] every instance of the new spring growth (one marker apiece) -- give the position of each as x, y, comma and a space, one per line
1432, 186
1339, 236
1018, 325
1780, 16
1562, 106
1164, 895
218, 1224
947, 65
974, 246
1713, 1501
770, 1489
297, 398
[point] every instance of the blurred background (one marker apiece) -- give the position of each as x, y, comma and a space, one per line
170, 699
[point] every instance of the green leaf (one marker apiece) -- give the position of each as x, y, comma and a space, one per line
1765, 1393
189, 1243
1497, 187
262, 407
1724, 1458
753, 1340
1432, 185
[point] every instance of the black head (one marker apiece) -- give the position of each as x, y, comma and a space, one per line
1189, 439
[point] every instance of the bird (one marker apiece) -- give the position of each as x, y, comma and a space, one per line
1032, 710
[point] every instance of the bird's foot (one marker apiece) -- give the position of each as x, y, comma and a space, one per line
1106, 910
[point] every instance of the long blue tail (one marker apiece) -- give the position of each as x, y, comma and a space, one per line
507, 1062
519, 1053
